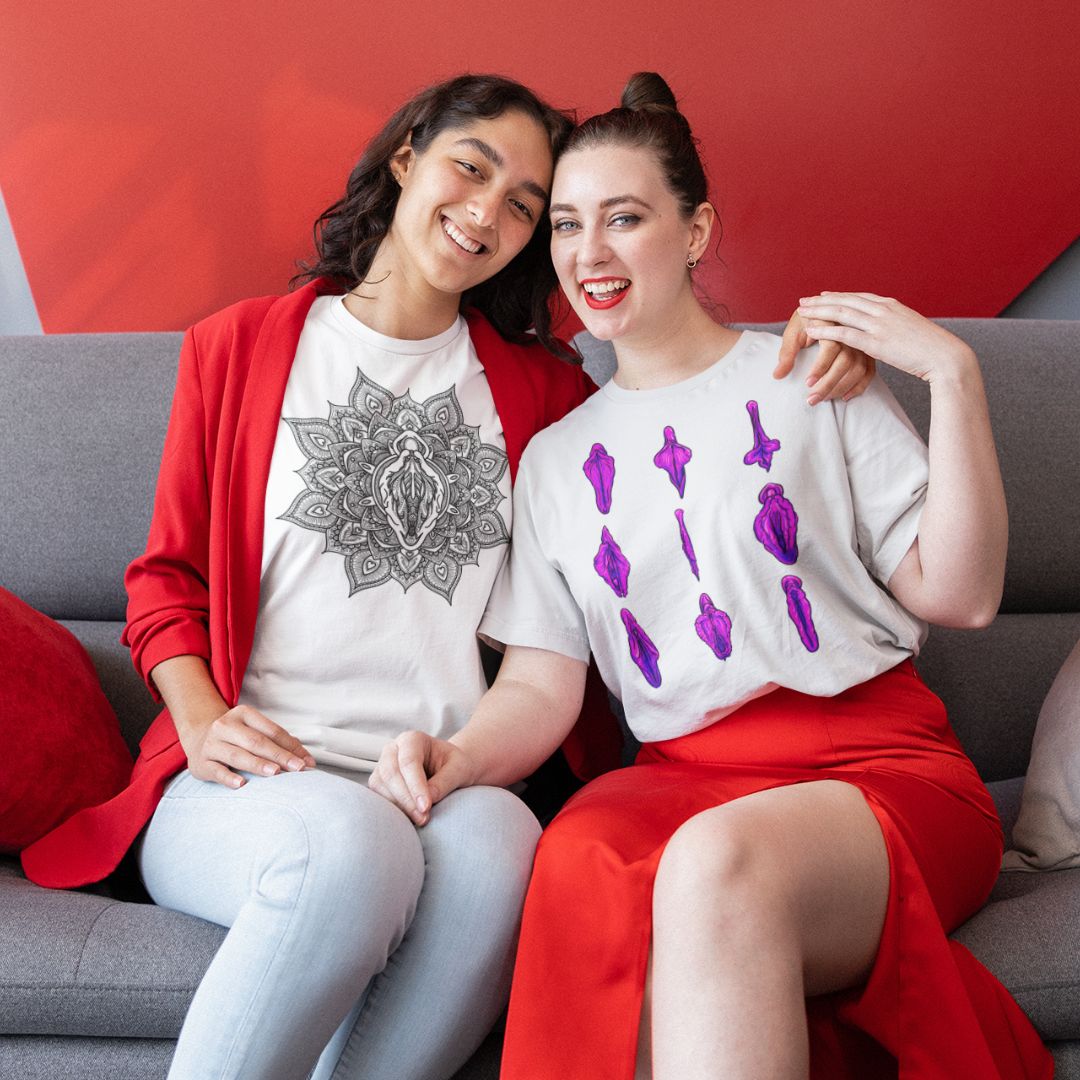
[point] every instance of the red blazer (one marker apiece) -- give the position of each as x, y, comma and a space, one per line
196, 588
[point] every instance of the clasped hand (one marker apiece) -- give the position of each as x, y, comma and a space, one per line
416, 770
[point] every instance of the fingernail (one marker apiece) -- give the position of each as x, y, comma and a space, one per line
310, 761
848, 396
802, 310
813, 399
295, 764
422, 804
811, 379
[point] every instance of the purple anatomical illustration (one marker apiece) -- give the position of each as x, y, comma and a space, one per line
687, 544
776, 524
764, 447
599, 467
611, 564
798, 609
642, 651
713, 626
672, 458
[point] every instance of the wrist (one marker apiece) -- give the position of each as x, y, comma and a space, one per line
956, 368
472, 757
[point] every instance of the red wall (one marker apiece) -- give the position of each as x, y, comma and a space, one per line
159, 161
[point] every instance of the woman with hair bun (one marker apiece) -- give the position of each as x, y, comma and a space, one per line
767, 891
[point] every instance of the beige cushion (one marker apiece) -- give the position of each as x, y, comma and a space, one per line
1047, 833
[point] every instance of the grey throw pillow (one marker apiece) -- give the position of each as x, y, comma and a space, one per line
1047, 833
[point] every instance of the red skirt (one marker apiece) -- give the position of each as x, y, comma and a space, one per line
928, 1009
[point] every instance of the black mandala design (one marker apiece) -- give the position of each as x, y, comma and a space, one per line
403, 490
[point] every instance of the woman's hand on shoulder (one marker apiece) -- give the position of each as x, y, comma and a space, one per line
415, 771
840, 370
243, 740
888, 331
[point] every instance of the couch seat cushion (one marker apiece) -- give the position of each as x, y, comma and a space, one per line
1027, 936
74, 963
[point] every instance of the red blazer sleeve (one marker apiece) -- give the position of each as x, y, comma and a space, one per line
168, 608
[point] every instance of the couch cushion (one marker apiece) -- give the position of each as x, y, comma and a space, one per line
74, 963
993, 683
87, 411
62, 746
126, 691
1047, 833
45, 1057
1027, 936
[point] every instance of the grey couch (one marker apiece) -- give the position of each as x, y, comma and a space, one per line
95, 985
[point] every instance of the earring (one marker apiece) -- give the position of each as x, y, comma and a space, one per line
691, 262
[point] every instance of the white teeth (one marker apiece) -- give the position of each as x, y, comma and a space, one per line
460, 238
605, 288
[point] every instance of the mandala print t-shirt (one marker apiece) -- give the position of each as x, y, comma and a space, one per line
715, 539
387, 519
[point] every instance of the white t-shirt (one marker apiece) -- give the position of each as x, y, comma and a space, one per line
387, 520
715, 539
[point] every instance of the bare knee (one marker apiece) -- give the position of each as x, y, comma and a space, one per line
719, 866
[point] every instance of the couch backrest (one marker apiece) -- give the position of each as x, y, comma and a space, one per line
994, 680
82, 419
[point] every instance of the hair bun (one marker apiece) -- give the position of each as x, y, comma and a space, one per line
646, 90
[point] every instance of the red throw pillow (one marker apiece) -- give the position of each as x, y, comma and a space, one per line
62, 748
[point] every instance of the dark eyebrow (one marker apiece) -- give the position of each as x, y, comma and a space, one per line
488, 151
615, 200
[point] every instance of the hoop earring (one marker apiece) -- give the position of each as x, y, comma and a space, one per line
691, 262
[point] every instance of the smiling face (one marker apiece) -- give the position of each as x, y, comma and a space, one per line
469, 201
619, 241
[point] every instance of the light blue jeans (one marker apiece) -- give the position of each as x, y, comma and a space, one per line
359, 945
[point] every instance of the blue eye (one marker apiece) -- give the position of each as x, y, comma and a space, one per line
563, 226
625, 219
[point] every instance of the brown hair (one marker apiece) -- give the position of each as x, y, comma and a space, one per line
648, 116
348, 234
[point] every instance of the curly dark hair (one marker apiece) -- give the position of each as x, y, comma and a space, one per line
348, 234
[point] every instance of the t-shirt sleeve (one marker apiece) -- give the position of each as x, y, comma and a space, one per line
531, 604
888, 469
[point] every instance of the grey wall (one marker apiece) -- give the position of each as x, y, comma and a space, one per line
17, 312
1054, 294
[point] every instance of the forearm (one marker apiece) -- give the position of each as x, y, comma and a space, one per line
524, 717
963, 531
189, 693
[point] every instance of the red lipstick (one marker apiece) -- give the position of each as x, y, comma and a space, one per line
607, 300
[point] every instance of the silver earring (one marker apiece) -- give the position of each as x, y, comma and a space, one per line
691, 262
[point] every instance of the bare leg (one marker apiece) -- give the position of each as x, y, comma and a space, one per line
757, 904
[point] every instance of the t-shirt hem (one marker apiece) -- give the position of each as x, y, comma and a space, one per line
898, 544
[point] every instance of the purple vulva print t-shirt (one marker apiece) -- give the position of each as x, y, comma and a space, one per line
714, 539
